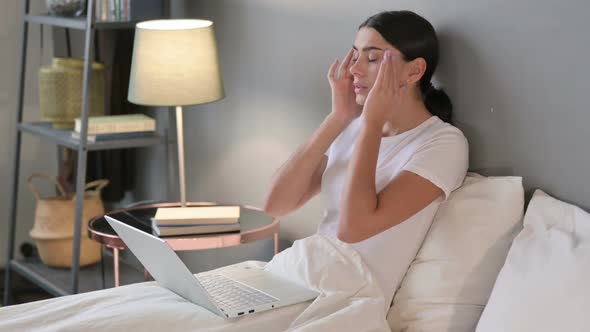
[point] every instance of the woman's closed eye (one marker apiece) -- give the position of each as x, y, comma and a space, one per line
369, 59
373, 56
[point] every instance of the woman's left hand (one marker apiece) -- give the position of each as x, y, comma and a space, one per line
386, 95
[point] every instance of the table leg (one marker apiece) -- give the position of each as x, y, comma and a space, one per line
276, 242
116, 265
146, 275
102, 267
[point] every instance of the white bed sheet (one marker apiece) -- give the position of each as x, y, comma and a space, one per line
350, 300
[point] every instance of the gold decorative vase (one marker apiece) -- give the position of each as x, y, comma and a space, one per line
60, 91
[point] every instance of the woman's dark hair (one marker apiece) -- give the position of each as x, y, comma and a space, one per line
415, 38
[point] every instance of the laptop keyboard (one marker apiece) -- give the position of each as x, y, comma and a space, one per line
232, 295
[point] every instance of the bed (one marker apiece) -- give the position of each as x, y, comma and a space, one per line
482, 248
318, 262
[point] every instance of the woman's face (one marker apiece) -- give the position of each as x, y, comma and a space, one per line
369, 47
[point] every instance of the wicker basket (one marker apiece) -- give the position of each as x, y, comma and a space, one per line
60, 91
53, 231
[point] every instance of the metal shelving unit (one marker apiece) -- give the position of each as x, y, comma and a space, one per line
77, 23
64, 138
55, 281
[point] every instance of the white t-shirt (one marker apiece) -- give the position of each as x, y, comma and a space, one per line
434, 150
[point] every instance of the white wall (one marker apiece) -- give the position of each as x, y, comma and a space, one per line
274, 58
274, 61
36, 156
526, 60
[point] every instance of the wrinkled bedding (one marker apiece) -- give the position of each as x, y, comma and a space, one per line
350, 300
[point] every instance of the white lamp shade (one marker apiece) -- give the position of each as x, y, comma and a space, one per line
175, 63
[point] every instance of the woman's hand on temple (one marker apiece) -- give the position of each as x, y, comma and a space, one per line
344, 104
386, 95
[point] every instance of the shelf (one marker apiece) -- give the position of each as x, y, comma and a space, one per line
57, 281
78, 23
64, 138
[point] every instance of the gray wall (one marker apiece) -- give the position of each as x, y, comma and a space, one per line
516, 72
36, 155
524, 60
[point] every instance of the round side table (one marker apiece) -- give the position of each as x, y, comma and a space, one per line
255, 225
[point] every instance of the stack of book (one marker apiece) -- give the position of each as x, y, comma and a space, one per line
103, 128
196, 220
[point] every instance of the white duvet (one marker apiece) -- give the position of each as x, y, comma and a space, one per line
350, 300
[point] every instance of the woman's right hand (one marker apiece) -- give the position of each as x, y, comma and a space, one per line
344, 104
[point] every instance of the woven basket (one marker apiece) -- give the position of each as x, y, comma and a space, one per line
53, 231
60, 91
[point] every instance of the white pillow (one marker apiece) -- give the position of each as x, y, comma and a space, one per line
449, 282
543, 285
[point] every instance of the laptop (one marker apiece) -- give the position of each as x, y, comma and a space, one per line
232, 292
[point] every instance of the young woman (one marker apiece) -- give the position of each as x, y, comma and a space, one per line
387, 155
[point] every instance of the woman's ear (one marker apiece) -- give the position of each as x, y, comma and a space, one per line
416, 69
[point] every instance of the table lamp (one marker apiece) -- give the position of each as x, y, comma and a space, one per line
175, 63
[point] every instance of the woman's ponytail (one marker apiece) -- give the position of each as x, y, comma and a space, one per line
437, 102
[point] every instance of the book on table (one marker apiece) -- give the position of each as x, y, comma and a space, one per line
179, 230
197, 215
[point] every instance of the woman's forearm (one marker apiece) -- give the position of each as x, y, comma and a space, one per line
291, 181
360, 194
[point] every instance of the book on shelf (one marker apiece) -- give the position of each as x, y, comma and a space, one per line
110, 137
178, 230
111, 124
197, 215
